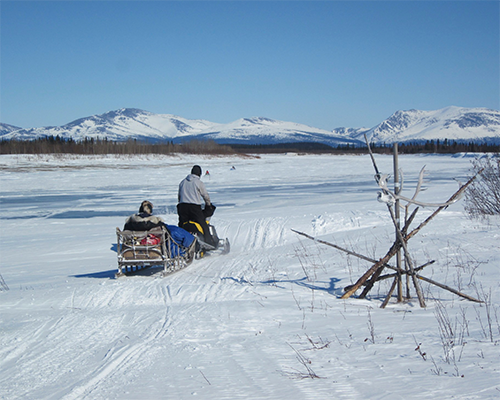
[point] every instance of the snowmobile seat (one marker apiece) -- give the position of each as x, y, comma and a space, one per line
143, 249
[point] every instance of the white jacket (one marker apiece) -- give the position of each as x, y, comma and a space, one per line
192, 190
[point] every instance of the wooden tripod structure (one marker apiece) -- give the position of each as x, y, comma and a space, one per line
403, 235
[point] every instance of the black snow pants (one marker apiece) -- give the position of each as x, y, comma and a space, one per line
193, 212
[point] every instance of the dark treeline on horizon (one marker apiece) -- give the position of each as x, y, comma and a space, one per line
58, 145
430, 146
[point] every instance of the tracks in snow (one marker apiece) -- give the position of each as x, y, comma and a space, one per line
107, 332
258, 234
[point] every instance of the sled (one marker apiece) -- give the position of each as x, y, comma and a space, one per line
137, 250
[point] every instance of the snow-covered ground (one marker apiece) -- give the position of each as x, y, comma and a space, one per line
263, 322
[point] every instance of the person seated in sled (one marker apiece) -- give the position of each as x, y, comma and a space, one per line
191, 192
144, 220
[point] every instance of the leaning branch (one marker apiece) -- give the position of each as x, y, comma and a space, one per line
352, 253
456, 195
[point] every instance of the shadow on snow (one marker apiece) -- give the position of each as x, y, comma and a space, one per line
329, 287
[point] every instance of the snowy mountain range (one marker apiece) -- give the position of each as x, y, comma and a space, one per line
452, 123
123, 124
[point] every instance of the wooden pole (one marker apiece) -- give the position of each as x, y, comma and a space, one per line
352, 253
455, 196
388, 297
397, 190
442, 286
409, 262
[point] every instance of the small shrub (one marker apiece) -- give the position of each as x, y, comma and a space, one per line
482, 197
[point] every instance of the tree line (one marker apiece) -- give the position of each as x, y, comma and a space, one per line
59, 145
434, 146
448, 146
429, 146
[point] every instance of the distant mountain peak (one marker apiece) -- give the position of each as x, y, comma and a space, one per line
6, 129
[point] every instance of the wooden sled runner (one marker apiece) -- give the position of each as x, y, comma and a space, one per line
135, 252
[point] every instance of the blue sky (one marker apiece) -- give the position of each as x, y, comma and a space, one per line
326, 64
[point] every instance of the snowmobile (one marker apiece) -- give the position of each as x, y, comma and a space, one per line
217, 245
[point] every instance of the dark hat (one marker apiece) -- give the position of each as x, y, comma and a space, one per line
196, 170
146, 207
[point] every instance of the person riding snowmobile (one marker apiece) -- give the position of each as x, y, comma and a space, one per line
191, 192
